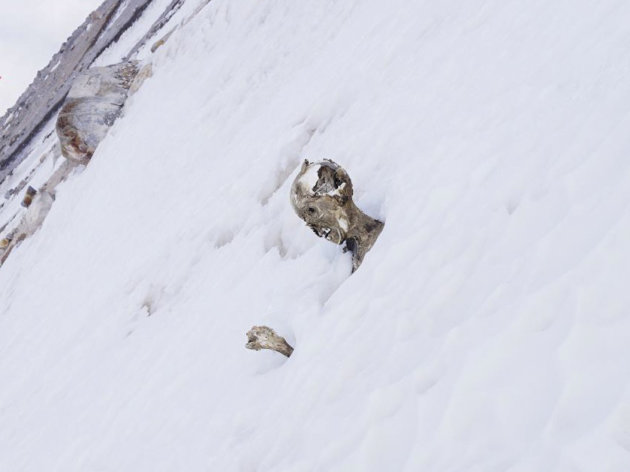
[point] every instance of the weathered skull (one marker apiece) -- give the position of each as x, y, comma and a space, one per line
321, 195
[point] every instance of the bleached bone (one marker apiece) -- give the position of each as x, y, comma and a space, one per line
321, 195
263, 337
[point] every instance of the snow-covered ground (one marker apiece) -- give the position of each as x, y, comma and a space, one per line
486, 331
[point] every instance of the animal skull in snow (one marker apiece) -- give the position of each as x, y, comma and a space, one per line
321, 195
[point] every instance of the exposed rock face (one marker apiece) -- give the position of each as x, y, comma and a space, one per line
93, 104
263, 337
321, 195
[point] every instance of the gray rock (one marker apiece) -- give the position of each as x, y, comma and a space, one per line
93, 104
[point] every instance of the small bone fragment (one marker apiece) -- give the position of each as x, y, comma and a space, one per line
262, 337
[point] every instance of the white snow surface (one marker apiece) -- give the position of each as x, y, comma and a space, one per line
487, 330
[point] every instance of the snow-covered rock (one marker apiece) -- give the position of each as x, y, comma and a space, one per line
93, 104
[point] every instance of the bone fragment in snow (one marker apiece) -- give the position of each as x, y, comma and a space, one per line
263, 337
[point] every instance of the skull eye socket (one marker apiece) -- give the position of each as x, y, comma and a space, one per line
311, 210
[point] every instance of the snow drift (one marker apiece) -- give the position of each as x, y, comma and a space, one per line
486, 330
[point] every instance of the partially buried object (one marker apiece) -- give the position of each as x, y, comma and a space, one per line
263, 337
93, 104
321, 195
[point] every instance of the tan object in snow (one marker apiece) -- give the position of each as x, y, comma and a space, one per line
91, 107
321, 195
263, 337
4, 243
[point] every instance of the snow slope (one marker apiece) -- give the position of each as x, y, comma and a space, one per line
487, 330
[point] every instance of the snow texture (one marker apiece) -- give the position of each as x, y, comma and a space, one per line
486, 331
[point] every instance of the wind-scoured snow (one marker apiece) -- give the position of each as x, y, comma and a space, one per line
487, 329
